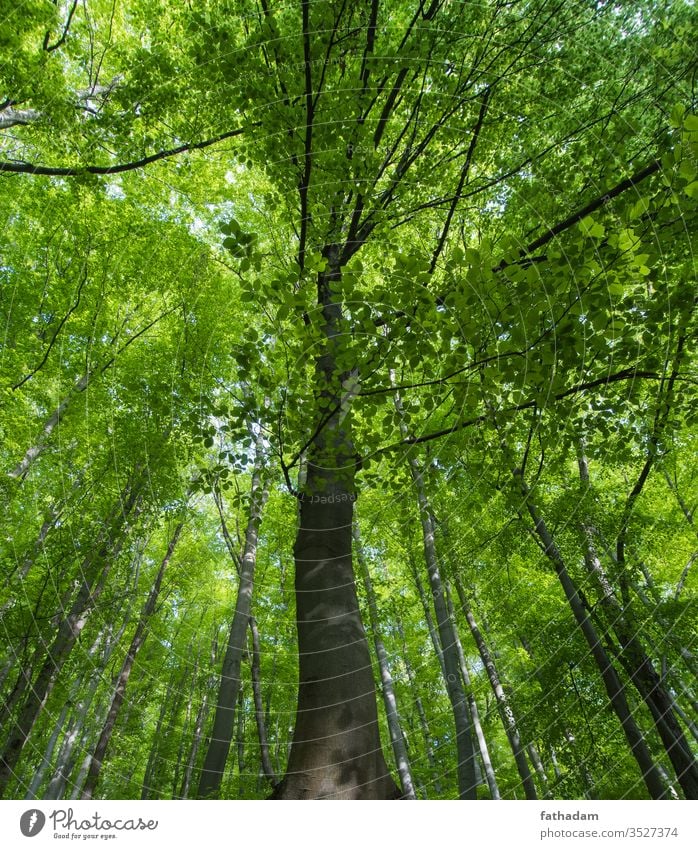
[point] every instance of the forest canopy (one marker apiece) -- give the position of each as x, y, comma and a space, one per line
348, 399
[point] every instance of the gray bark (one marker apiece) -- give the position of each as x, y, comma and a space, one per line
260, 716
467, 785
397, 738
47, 757
67, 755
612, 683
230, 682
639, 665
94, 571
503, 706
474, 711
137, 641
421, 713
336, 748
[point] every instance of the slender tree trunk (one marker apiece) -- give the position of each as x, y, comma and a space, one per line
434, 637
566, 732
639, 666
421, 713
47, 757
137, 641
223, 723
94, 571
397, 738
22, 468
65, 762
199, 726
336, 749
149, 783
534, 755
467, 785
503, 706
240, 740
474, 711
609, 676
589, 782
260, 717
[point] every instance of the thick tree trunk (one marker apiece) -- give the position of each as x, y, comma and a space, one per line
94, 571
223, 723
503, 706
638, 664
336, 750
609, 676
137, 641
397, 737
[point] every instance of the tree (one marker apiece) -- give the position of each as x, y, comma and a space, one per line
312, 211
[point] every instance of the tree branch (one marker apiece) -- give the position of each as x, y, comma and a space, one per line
51, 171
626, 374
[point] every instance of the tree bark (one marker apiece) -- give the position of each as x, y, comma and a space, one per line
260, 718
94, 571
612, 683
336, 749
230, 682
467, 784
638, 664
47, 757
474, 711
503, 706
137, 641
397, 737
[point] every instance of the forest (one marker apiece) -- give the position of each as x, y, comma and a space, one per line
348, 399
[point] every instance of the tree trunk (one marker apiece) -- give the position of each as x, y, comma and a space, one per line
66, 757
336, 749
94, 571
474, 711
503, 706
467, 785
240, 739
260, 718
137, 641
534, 755
153, 755
639, 666
223, 722
611, 681
421, 713
48, 753
199, 725
396, 736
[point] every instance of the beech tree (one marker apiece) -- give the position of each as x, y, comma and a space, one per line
441, 257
